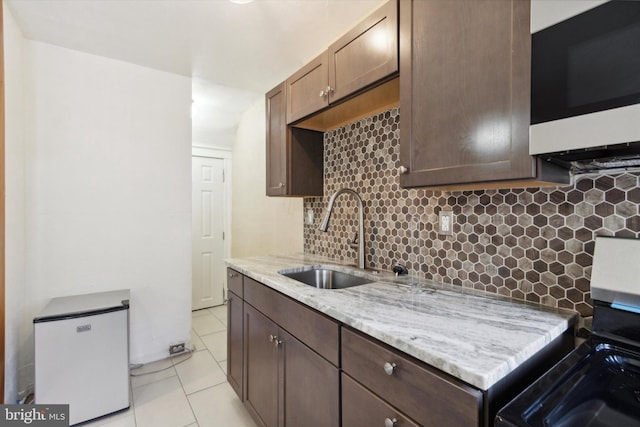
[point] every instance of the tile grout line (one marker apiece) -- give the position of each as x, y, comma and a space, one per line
206, 388
186, 396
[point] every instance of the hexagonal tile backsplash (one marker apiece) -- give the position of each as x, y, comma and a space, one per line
533, 244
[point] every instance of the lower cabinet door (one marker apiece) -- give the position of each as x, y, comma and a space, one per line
310, 386
361, 408
261, 377
235, 343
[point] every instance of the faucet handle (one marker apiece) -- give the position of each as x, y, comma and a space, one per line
400, 270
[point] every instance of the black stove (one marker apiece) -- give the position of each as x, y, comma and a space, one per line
597, 384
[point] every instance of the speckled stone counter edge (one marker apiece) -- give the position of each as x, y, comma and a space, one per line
475, 336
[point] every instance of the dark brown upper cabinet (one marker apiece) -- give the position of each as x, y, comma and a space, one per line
465, 95
297, 114
307, 89
294, 156
367, 54
276, 141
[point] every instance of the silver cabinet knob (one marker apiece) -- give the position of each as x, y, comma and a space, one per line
232, 275
274, 339
326, 92
281, 185
403, 170
390, 422
389, 368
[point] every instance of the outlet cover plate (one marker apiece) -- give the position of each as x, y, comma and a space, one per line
176, 348
445, 223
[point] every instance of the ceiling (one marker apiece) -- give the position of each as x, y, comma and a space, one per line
234, 53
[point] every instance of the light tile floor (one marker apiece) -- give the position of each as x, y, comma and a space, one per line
191, 392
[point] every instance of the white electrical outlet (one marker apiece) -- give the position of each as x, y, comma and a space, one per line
445, 223
310, 216
176, 348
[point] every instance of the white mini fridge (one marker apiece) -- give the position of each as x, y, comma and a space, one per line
82, 354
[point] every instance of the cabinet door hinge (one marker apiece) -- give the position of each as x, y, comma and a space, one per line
223, 235
223, 175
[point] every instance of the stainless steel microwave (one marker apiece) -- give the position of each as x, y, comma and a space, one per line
585, 75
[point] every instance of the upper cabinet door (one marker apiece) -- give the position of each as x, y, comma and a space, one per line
464, 91
276, 141
307, 89
366, 54
294, 157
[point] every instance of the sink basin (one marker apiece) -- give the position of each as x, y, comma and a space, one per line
324, 278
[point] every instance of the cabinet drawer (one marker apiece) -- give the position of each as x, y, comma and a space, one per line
312, 328
361, 408
418, 391
234, 282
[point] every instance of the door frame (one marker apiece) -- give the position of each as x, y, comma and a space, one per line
225, 155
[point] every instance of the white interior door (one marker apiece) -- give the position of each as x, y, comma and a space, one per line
208, 231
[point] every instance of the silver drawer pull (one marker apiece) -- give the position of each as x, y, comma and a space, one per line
389, 368
272, 338
232, 275
390, 422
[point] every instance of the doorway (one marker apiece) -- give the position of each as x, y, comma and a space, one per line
209, 230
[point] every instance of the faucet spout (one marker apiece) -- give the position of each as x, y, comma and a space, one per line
325, 222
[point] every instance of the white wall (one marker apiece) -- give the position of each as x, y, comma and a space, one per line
217, 111
15, 204
108, 187
261, 225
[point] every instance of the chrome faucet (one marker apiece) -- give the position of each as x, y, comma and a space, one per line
360, 236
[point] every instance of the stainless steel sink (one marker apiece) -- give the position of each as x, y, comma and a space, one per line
324, 278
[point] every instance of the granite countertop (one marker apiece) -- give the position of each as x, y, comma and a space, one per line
475, 336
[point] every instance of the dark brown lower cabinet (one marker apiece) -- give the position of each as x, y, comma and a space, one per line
311, 386
284, 361
286, 383
261, 374
235, 340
